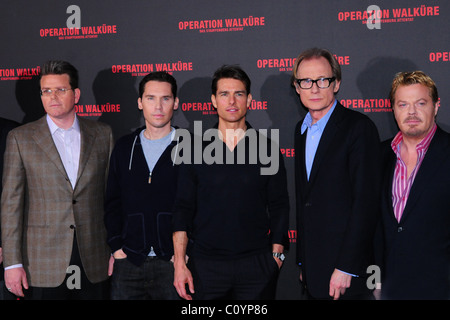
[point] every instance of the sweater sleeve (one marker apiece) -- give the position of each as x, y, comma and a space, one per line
113, 206
278, 205
185, 203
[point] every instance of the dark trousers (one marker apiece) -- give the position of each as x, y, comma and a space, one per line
250, 278
87, 291
153, 280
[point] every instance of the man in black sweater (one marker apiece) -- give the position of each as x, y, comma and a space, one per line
140, 195
233, 211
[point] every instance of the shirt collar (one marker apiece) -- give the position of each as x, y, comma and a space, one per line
422, 146
53, 127
307, 122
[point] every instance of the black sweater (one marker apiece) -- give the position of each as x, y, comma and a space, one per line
138, 214
231, 210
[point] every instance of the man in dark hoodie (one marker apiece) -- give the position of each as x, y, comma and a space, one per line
139, 198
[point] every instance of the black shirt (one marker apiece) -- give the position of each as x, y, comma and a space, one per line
229, 209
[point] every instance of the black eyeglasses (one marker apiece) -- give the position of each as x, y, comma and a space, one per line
322, 83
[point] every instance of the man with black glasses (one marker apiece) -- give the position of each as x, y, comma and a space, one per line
337, 182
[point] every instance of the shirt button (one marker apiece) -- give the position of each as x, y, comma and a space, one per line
399, 229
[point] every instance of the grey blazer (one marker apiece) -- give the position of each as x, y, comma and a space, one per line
41, 210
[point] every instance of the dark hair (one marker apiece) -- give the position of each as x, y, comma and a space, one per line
230, 72
160, 76
318, 53
60, 67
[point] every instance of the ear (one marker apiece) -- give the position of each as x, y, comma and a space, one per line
77, 93
175, 105
297, 87
249, 99
213, 100
436, 108
139, 101
337, 85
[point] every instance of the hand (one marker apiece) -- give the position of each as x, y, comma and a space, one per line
15, 278
182, 277
339, 282
118, 254
110, 266
279, 262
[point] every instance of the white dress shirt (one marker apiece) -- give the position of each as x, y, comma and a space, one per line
68, 144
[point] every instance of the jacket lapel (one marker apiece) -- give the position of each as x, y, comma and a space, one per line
387, 185
438, 150
328, 136
44, 140
87, 137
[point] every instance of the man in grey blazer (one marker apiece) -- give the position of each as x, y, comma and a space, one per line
54, 239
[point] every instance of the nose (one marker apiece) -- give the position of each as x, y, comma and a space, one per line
231, 100
412, 109
315, 87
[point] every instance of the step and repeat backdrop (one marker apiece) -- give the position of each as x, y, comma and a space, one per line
115, 43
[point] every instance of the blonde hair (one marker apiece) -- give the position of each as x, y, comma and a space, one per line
414, 77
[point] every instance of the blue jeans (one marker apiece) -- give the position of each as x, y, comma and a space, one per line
153, 280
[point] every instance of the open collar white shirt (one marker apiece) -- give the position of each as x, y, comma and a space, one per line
68, 143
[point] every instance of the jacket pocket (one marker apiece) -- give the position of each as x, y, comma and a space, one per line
165, 230
134, 238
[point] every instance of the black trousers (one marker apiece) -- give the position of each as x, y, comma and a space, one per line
250, 278
87, 291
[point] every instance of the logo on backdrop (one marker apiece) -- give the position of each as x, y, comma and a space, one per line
374, 16
143, 69
287, 64
222, 25
96, 110
19, 73
439, 56
74, 30
207, 108
368, 105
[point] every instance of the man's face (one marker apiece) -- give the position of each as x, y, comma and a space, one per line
414, 110
157, 104
59, 106
231, 100
316, 99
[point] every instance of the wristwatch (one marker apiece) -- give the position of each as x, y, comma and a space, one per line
279, 255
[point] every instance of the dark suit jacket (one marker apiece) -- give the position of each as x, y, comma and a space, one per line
40, 207
337, 209
417, 250
5, 126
